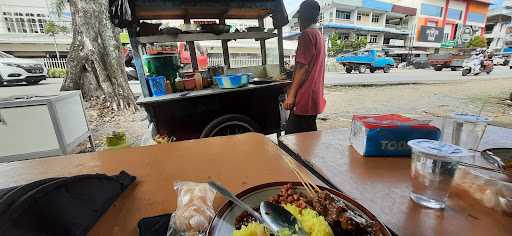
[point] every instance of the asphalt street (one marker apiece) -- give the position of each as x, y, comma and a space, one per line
51, 86
410, 77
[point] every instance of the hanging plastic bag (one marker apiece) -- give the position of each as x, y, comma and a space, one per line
194, 209
121, 12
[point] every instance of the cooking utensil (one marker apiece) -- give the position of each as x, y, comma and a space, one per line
258, 81
230, 196
224, 221
190, 28
170, 30
216, 28
278, 218
255, 29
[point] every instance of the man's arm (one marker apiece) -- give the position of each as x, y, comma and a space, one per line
299, 76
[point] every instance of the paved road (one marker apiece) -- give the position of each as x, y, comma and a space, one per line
409, 76
52, 86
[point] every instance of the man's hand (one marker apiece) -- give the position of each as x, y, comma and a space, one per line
289, 103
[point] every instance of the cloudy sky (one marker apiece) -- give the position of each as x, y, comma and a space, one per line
292, 5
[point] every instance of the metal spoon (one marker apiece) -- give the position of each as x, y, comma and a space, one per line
275, 216
227, 194
278, 218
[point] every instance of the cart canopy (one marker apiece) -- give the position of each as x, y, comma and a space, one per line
199, 9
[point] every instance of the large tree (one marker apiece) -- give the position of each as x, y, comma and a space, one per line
95, 63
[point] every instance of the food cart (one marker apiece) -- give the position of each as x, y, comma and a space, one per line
214, 111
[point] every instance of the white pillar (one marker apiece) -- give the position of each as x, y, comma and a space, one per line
384, 19
370, 18
354, 20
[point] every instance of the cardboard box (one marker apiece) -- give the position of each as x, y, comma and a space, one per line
387, 135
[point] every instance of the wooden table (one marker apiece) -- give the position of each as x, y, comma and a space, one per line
382, 185
237, 162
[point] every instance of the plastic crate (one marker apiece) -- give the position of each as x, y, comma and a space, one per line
157, 85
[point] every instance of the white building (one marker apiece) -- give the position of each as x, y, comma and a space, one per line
22, 25
498, 29
382, 23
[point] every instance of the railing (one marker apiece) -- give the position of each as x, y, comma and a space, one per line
54, 63
243, 61
344, 21
213, 60
398, 27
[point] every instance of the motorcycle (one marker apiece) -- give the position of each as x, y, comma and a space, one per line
476, 66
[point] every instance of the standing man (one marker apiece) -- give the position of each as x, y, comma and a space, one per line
305, 98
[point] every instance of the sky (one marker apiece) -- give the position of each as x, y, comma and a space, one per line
292, 5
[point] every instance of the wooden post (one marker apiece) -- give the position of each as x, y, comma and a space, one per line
225, 49
263, 46
137, 59
280, 48
192, 50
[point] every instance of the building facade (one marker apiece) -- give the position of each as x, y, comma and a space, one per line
448, 23
383, 24
419, 24
22, 25
498, 28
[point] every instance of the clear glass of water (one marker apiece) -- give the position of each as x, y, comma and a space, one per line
468, 130
433, 166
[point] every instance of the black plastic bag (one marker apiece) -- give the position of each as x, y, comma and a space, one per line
121, 12
67, 206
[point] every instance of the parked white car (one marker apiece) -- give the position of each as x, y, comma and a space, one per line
19, 70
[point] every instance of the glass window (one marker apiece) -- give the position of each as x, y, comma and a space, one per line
431, 10
359, 16
345, 15
476, 17
41, 23
20, 25
373, 39
9, 23
454, 14
375, 18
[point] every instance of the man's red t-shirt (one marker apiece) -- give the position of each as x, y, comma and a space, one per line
311, 52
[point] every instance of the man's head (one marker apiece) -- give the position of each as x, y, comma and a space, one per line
308, 13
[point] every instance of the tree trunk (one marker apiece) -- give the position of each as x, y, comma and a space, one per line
95, 65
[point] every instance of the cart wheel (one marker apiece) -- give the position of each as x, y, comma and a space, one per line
438, 68
465, 71
229, 125
386, 69
372, 69
362, 69
348, 69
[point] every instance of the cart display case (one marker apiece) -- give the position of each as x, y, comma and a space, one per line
213, 111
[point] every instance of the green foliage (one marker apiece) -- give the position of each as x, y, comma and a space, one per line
57, 73
59, 6
52, 28
339, 46
477, 42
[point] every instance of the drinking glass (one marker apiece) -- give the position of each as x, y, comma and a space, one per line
433, 166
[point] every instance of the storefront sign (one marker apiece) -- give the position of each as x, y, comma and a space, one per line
467, 34
431, 34
448, 44
396, 42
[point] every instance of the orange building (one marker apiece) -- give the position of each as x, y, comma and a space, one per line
449, 23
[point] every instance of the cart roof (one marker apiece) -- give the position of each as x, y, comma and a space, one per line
210, 9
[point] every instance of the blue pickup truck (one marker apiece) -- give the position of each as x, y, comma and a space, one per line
363, 60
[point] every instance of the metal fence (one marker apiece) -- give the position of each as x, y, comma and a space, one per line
54, 63
213, 60
242, 61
